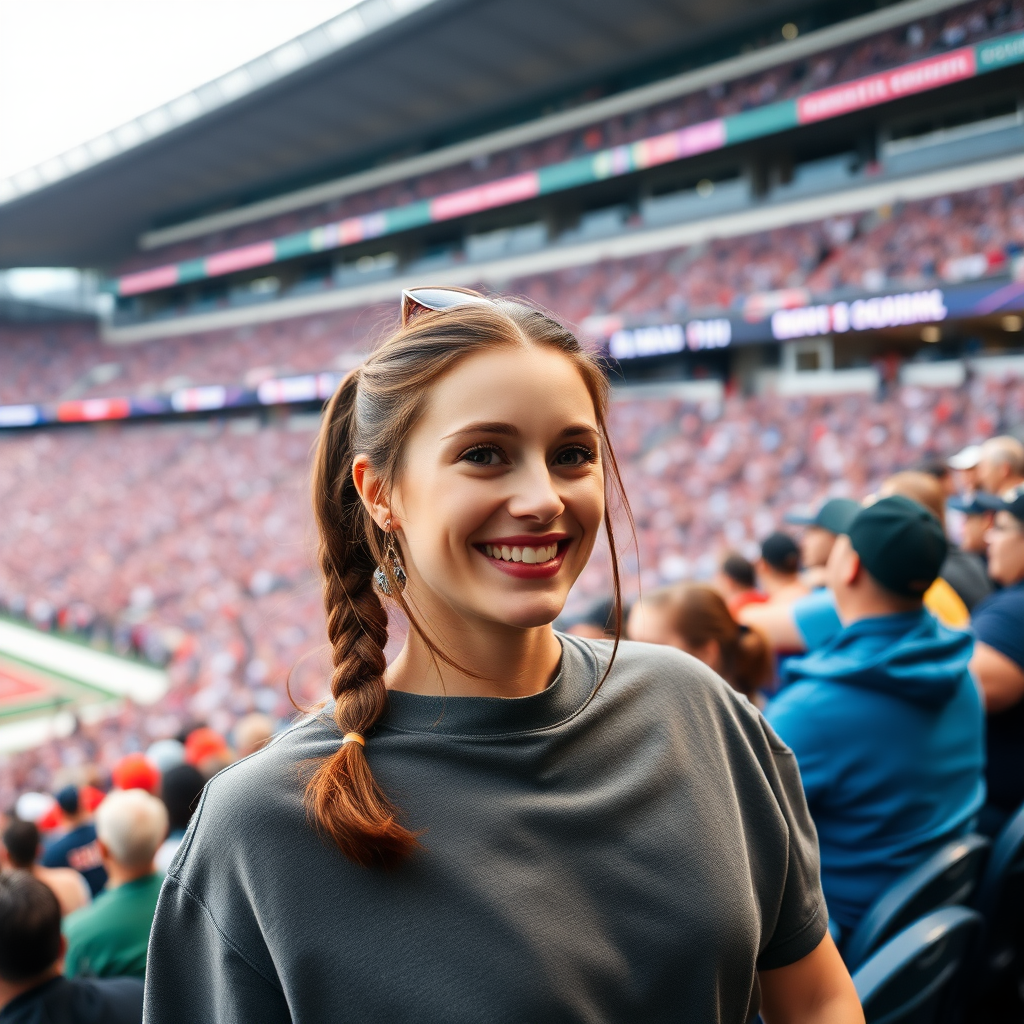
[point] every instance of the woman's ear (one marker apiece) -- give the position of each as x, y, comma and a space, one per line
371, 490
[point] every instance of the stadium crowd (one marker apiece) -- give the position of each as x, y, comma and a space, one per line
189, 543
928, 36
91, 823
912, 245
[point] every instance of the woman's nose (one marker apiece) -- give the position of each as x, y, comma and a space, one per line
535, 496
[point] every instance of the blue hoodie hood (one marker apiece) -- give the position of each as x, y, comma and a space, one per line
910, 656
888, 729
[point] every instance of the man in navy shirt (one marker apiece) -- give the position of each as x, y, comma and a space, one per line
998, 662
32, 988
77, 847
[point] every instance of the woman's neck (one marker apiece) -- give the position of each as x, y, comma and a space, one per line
502, 662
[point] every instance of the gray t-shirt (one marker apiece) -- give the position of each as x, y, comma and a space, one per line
635, 858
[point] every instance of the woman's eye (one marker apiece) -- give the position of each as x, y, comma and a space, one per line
574, 457
482, 456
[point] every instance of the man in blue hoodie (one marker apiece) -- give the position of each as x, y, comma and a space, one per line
885, 720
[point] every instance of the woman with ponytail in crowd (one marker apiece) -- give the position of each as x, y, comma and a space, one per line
695, 618
504, 824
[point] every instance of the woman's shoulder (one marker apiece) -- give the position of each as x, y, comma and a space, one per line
662, 691
667, 680
259, 797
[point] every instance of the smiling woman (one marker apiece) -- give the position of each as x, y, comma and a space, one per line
589, 831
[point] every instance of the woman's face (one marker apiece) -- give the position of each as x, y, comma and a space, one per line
501, 491
1006, 549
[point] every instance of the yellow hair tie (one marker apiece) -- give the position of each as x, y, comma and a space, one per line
354, 737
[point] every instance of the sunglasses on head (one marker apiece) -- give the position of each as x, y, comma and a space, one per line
420, 300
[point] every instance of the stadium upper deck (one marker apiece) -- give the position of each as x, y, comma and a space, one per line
754, 95
867, 138
863, 177
387, 78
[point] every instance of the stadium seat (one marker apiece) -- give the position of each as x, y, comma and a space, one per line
914, 977
948, 877
1000, 900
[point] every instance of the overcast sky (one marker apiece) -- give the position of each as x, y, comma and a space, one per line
73, 69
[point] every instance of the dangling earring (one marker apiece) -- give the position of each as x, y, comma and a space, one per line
380, 577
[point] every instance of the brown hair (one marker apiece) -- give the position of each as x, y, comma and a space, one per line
697, 613
920, 487
372, 413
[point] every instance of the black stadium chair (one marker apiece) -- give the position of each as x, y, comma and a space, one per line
1000, 900
950, 876
914, 978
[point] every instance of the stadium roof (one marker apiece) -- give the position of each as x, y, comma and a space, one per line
386, 74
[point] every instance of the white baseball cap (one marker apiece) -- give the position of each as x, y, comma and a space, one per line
33, 806
968, 458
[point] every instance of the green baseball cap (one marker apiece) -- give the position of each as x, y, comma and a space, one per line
835, 515
900, 543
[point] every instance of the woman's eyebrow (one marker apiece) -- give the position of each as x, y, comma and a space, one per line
510, 430
505, 429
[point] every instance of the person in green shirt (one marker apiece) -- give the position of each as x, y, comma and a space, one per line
109, 938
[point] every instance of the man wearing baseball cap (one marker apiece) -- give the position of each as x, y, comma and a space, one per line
975, 522
76, 847
965, 463
820, 532
998, 662
1000, 465
809, 618
885, 720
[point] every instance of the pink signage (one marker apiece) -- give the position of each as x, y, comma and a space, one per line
485, 197
240, 259
663, 149
889, 85
148, 280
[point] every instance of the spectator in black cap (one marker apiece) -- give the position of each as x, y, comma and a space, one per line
998, 662
76, 847
778, 569
32, 988
736, 581
778, 572
885, 719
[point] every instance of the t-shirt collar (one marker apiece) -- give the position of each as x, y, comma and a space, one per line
480, 716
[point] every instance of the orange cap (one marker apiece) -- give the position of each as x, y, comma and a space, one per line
136, 771
203, 743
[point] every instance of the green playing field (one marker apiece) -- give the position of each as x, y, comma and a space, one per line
47, 680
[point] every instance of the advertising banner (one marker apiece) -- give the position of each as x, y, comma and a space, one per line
835, 101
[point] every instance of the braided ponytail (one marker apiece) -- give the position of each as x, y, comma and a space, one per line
371, 415
342, 797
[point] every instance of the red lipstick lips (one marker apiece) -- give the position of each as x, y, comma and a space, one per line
526, 557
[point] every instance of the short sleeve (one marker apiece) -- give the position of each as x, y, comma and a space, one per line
997, 622
195, 975
802, 919
816, 618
